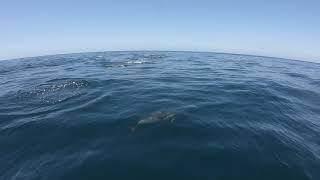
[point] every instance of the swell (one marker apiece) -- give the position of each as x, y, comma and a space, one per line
236, 117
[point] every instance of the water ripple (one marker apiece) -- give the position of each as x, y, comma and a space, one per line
236, 117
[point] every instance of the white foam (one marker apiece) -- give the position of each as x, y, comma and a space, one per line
137, 62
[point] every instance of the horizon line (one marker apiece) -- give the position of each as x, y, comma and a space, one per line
187, 51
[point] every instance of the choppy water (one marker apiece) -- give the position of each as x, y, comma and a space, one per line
235, 117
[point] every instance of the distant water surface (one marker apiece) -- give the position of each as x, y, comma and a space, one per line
235, 117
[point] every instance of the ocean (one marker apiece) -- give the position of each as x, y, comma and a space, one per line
159, 115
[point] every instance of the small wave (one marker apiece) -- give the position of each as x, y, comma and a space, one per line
51, 92
231, 109
57, 84
316, 82
297, 75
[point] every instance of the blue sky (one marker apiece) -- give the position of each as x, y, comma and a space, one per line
280, 28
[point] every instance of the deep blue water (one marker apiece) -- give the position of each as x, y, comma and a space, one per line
235, 117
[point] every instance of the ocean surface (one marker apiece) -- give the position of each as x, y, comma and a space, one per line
159, 116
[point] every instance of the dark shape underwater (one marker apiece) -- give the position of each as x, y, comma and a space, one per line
235, 117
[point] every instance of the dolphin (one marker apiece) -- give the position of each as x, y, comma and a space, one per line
155, 118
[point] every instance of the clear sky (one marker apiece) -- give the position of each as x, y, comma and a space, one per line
280, 28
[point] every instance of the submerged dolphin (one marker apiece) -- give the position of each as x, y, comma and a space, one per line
154, 118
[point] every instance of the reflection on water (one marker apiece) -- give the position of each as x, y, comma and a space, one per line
195, 116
